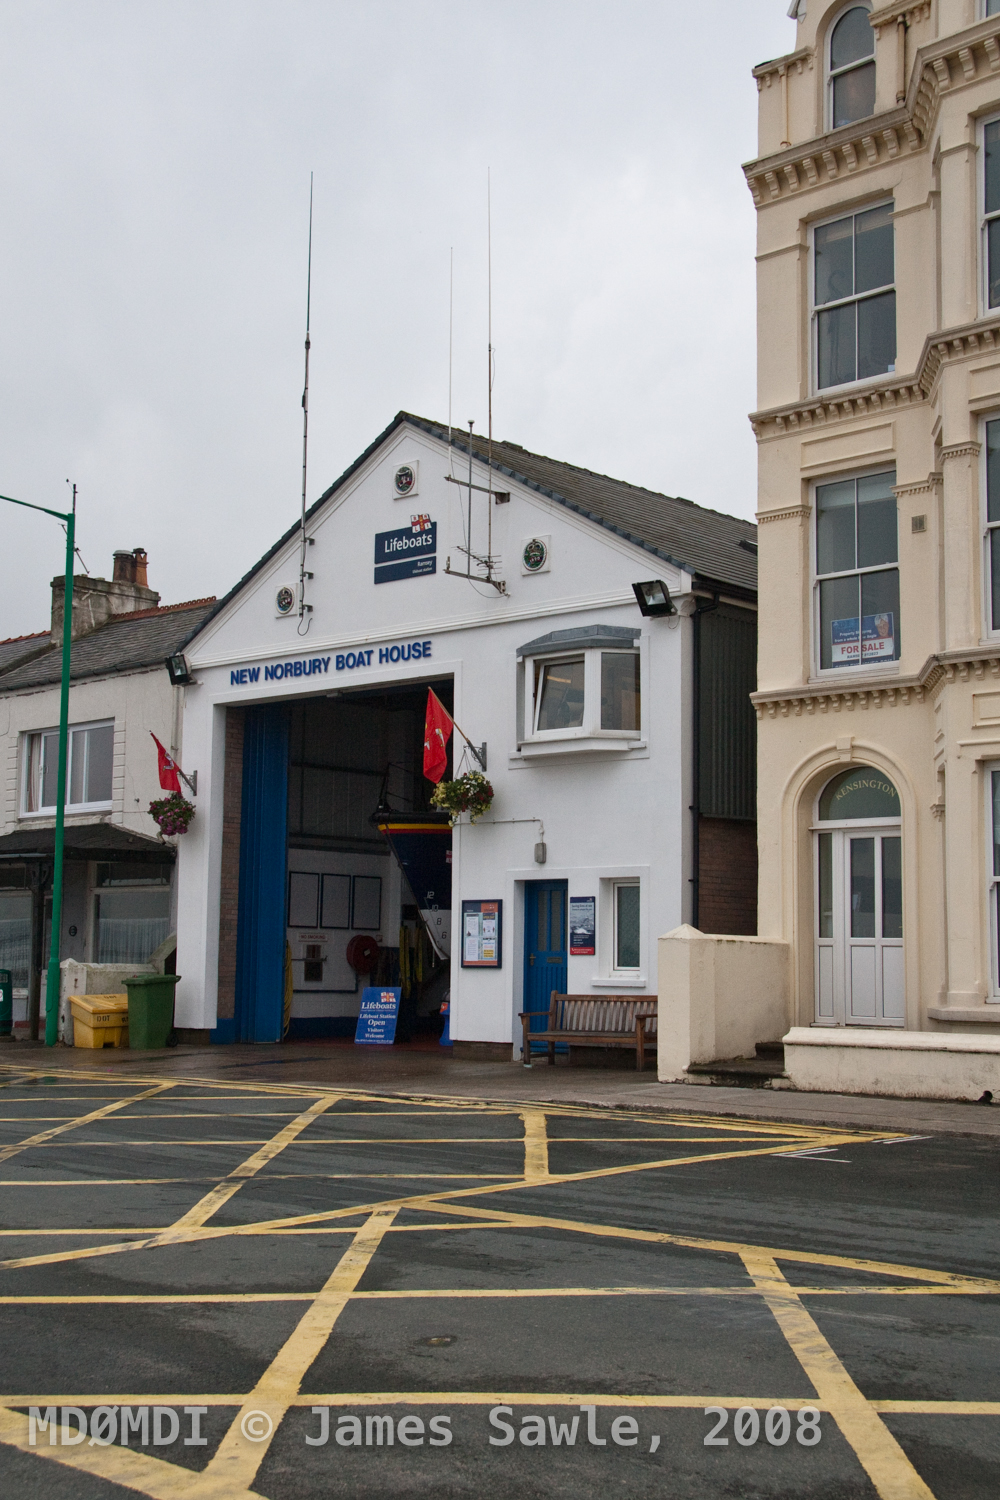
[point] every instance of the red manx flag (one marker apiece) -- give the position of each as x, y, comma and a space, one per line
437, 729
166, 766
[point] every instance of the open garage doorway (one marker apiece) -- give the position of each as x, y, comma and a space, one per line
324, 906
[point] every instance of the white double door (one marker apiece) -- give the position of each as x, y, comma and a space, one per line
859, 927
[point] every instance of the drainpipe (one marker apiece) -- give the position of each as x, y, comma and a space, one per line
700, 608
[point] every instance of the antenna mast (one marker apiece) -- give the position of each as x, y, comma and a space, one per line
304, 541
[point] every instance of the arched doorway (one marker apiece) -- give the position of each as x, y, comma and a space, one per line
859, 901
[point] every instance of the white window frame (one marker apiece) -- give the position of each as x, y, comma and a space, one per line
991, 768
983, 9
822, 392
986, 526
606, 975
827, 674
627, 971
590, 729
985, 310
827, 61
49, 810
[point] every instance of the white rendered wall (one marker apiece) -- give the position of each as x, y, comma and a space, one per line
605, 815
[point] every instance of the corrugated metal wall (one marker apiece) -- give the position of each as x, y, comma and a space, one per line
727, 771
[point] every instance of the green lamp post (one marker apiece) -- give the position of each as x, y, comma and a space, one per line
52, 979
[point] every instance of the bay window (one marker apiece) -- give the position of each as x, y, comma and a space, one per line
582, 684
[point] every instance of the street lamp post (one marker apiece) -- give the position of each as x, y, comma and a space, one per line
52, 978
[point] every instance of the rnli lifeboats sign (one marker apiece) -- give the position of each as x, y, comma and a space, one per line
410, 552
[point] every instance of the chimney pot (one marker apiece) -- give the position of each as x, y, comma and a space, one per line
140, 567
124, 568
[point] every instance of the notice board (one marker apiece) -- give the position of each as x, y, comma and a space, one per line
377, 1016
482, 934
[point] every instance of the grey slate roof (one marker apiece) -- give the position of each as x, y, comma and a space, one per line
703, 542
124, 644
20, 647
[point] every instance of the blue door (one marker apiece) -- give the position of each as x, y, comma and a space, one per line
260, 933
545, 903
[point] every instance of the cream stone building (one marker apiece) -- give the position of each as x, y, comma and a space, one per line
878, 202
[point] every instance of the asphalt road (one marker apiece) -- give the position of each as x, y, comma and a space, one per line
298, 1290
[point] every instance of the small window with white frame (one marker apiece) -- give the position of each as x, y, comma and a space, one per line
854, 298
626, 952
851, 67
993, 876
991, 8
857, 573
90, 763
989, 204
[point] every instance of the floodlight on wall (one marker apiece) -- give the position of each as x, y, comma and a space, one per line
653, 598
179, 671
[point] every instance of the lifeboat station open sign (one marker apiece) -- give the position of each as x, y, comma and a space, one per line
377, 1016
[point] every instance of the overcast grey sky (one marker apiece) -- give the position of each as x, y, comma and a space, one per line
154, 182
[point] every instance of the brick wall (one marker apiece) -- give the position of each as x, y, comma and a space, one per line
232, 807
727, 870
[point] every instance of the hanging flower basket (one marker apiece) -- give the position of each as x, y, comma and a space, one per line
470, 793
173, 813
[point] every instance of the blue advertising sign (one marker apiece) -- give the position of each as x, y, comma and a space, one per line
377, 1016
407, 553
876, 643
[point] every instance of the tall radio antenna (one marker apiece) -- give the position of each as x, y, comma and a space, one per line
451, 324
489, 373
304, 541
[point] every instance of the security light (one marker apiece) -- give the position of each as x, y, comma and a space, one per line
653, 598
179, 671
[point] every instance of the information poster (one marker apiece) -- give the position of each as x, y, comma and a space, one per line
876, 643
582, 925
481, 934
377, 1016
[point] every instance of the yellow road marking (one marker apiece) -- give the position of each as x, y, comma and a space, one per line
237, 1460
130, 1467
510, 1218
494, 1398
880, 1455
354, 1210
98, 1114
223, 1191
536, 1145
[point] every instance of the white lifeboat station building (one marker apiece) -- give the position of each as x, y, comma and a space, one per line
614, 722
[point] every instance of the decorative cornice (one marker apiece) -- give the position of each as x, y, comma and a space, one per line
946, 667
926, 486
962, 450
766, 72
940, 67
787, 513
903, 10
962, 343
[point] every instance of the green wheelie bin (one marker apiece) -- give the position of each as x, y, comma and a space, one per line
150, 1010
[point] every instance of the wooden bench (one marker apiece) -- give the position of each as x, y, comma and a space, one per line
593, 1021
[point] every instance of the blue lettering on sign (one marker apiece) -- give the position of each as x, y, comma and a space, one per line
344, 661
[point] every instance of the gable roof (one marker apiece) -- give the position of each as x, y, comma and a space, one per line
126, 643
705, 543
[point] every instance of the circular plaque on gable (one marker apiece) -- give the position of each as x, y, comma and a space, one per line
535, 555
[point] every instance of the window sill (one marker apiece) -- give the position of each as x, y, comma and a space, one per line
835, 392
830, 675
85, 810
631, 982
588, 745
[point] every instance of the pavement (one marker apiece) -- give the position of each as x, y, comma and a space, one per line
311, 1271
